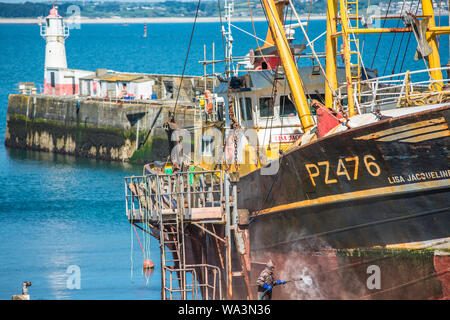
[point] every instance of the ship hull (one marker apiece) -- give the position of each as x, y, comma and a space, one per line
362, 214
368, 188
381, 184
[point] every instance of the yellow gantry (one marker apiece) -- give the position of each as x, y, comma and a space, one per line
346, 30
433, 58
331, 53
346, 48
290, 66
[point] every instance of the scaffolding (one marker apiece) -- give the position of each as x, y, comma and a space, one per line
168, 203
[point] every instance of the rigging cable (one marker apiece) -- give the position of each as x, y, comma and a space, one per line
131, 252
187, 55
280, 158
254, 31
379, 38
311, 46
275, 91
393, 41
282, 108
409, 38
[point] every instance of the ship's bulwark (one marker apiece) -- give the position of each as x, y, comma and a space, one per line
335, 204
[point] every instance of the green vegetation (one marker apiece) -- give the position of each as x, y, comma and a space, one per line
107, 9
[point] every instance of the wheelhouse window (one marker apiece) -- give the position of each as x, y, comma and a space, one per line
246, 105
287, 107
266, 107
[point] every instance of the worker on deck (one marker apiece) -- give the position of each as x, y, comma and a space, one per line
176, 153
170, 126
266, 281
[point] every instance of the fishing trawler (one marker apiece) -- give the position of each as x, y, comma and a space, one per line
358, 183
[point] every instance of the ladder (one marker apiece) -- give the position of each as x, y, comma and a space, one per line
173, 269
169, 203
171, 227
353, 39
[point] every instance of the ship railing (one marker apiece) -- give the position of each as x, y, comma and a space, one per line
200, 194
388, 92
197, 195
60, 30
187, 290
210, 286
140, 199
212, 281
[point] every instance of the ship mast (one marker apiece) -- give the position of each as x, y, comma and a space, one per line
229, 7
290, 67
331, 52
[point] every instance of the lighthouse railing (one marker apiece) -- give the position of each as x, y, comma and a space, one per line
60, 29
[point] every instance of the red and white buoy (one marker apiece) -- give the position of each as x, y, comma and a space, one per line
145, 31
148, 264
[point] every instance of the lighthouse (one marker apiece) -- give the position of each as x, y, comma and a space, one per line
55, 32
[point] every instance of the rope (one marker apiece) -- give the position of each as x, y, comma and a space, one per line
307, 24
439, 24
254, 31
393, 41
131, 253
409, 38
311, 45
139, 241
187, 55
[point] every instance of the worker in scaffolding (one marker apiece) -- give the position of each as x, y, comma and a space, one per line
170, 126
177, 155
266, 281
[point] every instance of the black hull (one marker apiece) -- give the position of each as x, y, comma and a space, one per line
332, 227
384, 183
369, 222
332, 220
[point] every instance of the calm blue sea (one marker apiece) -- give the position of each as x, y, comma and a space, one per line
58, 211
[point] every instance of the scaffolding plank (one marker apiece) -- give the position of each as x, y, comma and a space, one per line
205, 213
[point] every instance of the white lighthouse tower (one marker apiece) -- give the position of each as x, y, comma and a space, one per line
55, 32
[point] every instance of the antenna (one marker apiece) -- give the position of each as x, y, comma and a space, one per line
229, 7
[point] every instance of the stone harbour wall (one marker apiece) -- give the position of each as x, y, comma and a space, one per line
100, 129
